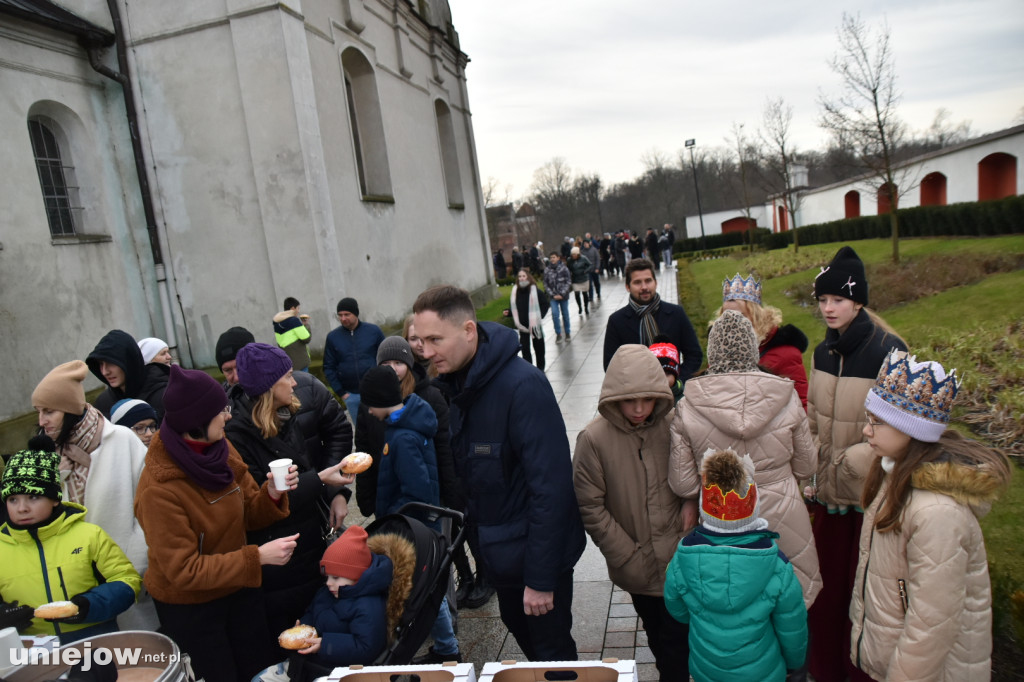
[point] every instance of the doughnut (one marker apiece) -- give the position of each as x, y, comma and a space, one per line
298, 637
356, 463
57, 609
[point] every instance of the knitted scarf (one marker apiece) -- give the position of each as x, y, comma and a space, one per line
648, 325
76, 455
534, 313
208, 469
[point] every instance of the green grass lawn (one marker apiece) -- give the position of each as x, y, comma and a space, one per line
974, 328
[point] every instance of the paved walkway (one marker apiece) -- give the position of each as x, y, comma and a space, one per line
604, 622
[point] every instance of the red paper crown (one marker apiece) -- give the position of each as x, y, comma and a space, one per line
729, 506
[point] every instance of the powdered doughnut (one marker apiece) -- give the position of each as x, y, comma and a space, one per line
356, 463
57, 609
298, 637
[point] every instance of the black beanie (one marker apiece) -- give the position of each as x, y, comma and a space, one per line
380, 388
844, 276
230, 342
33, 471
348, 305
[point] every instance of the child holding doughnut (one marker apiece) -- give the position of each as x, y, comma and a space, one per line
49, 553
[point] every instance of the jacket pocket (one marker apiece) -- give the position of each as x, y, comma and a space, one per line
486, 480
503, 550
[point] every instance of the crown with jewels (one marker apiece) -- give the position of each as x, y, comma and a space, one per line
739, 289
913, 397
736, 509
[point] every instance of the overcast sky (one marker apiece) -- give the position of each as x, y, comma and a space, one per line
602, 82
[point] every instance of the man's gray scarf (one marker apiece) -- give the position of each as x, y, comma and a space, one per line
648, 325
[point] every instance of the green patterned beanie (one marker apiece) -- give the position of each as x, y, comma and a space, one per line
32, 472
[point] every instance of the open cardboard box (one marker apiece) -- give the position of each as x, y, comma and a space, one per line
441, 672
606, 670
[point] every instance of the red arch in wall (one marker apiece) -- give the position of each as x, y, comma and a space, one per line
851, 204
883, 200
738, 224
997, 176
783, 217
933, 190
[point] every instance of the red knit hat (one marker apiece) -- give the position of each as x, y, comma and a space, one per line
348, 556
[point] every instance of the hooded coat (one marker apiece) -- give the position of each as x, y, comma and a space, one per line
742, 601
942, 631
782, 352
759, 414
512, 456
292, 336
620, 472
142, 381
408, 467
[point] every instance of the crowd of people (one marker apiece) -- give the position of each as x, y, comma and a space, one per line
767, 524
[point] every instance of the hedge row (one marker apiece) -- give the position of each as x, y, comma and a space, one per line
974, 219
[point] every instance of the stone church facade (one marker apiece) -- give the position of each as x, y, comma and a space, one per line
177, 168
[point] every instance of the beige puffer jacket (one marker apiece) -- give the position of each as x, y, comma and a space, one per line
759, 414
620, 472
943, 630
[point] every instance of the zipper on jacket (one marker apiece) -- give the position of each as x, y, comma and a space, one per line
863, 599
230, 492
902, 584
201, 536
46, 575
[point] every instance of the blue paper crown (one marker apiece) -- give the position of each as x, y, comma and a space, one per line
739, 289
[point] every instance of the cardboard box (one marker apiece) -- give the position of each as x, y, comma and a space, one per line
442, 672
607, 670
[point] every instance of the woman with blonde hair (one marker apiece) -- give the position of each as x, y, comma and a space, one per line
780, 347
263, 429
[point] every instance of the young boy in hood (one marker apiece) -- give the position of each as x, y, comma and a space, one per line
620, 473
408, 472
734, 587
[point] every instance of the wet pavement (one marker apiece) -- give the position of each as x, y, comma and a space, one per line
604, 622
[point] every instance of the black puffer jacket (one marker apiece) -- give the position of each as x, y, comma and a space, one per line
325, 429
370, 439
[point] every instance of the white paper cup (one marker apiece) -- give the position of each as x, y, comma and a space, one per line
279, 467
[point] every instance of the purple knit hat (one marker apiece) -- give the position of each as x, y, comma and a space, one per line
260, 366
192, 399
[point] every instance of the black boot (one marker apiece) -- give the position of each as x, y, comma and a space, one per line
481, 593
466, 587
433, 657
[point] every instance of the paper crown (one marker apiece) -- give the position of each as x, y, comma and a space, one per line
913, 397
739, 289
728, 511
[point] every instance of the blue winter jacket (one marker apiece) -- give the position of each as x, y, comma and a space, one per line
348, 355
512, 456
744, 605
353, 626
408, 465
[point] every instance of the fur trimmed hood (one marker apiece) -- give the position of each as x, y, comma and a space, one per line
973, 486
403, 559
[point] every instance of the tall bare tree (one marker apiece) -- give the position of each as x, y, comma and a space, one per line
658, 172
744, 154
779, 156
864, 113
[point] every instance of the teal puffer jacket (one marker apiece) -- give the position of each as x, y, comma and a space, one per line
743, 603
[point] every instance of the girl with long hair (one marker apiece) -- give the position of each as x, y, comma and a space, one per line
922, 603
844, 368
527, 306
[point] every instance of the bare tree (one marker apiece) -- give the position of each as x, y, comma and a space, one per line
588, 189
943, 132
658, 171
743, 155
864, 113
779, 157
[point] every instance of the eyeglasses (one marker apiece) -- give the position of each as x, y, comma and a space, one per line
227, 409
873, 421
143, 430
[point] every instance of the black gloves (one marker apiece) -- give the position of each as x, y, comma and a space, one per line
14, 616
82, 603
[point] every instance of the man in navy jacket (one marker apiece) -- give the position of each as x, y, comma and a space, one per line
350, 352
647, 316
512, 454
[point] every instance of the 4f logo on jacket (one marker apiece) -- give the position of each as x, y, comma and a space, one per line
76, 550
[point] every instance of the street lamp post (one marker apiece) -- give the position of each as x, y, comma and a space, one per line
690, 144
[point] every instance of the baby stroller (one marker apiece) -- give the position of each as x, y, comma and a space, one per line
425, 585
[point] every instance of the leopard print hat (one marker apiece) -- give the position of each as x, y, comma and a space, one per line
732, 345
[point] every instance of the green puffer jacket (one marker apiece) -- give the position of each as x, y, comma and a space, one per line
64, 558
743, 603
